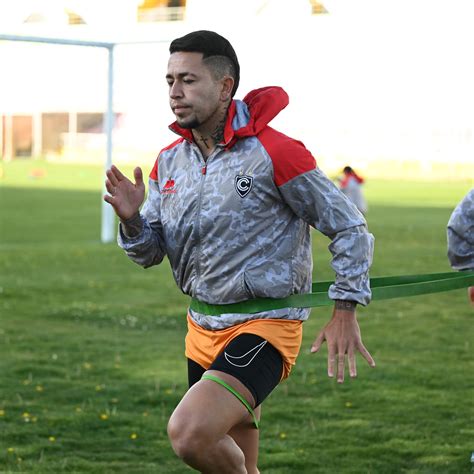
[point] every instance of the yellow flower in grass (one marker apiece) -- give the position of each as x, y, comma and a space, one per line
51, 439
39, 388
104, 416
10, 450
282, 435
2, 412
133, 436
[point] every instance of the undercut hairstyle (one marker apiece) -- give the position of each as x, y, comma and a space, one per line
220, 66
217, 52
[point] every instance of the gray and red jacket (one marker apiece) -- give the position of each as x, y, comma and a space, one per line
461, 234
237, 226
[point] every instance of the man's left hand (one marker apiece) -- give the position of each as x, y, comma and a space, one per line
342, 335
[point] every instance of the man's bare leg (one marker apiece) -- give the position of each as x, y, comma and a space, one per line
198, 428
247, 438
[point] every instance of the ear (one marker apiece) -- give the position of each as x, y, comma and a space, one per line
227, 86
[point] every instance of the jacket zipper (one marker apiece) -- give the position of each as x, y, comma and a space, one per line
204, 165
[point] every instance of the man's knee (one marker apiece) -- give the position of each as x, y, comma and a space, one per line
188, 440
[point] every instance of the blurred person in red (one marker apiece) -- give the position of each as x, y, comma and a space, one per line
351, 185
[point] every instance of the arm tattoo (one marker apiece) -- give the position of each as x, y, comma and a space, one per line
132, 227
345, 305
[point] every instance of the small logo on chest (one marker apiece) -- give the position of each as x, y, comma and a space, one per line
243, 184
169, 187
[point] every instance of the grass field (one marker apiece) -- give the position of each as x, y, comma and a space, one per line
91, 346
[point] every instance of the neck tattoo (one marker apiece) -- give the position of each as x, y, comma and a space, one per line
215, 137
205, 142
208, 143
218, 134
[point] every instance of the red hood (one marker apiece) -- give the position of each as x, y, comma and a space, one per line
263, 105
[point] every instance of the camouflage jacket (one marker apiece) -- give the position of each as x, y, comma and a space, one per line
237, 226
461, 234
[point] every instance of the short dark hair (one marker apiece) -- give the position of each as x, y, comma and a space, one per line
216, 51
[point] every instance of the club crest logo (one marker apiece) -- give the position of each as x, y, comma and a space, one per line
243, 184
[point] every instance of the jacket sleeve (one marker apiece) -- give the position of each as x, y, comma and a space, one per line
314, 198
148, 248
461, 234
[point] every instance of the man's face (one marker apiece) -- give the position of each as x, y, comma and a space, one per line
193, 93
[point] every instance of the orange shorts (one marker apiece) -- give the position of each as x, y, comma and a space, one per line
203, 345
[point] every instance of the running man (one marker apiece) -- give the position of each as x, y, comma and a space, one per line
230, 203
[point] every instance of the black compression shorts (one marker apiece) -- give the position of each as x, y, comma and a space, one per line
249, 358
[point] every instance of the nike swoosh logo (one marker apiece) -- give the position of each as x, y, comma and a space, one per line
247, 358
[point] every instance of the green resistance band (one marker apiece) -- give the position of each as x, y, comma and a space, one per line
383, 288
234, 392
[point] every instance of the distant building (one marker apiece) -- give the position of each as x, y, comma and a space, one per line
360, 91
52, 104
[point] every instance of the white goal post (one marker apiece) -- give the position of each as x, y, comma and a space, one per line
108, 230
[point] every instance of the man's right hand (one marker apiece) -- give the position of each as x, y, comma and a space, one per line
124, 196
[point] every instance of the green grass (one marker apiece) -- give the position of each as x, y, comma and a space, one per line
91, 346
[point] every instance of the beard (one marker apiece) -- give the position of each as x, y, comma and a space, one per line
189, 124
